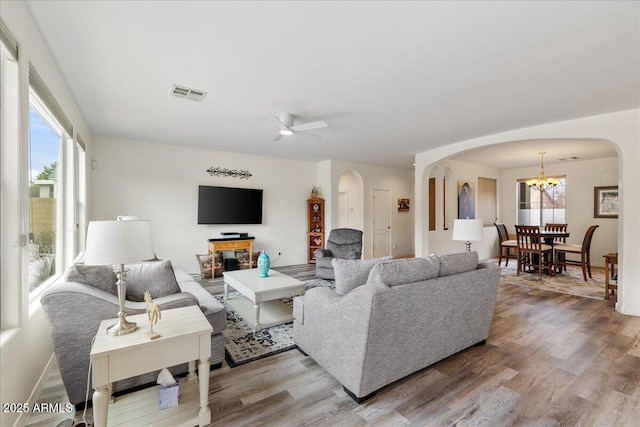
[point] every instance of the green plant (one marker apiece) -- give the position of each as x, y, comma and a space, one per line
46, 241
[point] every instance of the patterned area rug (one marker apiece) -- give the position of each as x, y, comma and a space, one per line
244, 346
569, 282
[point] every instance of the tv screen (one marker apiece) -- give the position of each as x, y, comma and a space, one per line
224, 205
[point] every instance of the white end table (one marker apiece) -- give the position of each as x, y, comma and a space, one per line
261, 305
185, 336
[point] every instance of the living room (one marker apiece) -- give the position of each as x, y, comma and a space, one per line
144, 174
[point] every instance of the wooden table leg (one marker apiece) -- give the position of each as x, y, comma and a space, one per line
256, 313
192, 370
100, 406
204, 414
606, 278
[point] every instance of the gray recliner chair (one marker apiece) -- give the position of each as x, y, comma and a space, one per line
342, 243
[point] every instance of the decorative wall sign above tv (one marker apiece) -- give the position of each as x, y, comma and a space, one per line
233, 173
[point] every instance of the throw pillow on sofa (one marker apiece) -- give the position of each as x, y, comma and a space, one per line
351, 273
408, 270
157, 277
99, 276
458, 263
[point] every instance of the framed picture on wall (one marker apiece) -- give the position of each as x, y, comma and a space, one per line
466, 200
403, 205
605, 202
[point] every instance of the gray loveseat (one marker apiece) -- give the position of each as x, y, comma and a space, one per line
386, 321
86, 295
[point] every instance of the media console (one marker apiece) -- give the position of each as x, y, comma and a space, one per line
231, 244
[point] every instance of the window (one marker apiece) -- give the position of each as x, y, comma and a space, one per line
540, 207
51, 185
43, 190
46, 182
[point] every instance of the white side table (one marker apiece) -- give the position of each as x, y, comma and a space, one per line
185, 336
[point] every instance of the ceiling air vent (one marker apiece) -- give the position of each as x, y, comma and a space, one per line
187, 93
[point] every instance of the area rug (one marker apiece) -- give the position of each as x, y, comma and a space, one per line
569, 282
243, 345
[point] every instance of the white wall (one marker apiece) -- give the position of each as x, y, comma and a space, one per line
440, 240
398, 181
350, 184
25, 350
581, 178
622, 130
160, 182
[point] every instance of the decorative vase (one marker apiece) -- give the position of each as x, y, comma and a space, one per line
263, 264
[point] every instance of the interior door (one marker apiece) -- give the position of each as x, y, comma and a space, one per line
343, 209
381, 223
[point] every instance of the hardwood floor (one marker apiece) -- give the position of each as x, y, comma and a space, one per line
551, 359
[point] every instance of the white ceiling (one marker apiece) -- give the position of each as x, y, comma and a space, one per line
390, 78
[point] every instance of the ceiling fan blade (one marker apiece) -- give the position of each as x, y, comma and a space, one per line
308, 135
278, 137
309, 126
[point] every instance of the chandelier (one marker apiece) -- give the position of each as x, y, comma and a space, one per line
542, 182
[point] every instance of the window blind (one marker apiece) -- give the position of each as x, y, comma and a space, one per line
8, 42
81, 143
41, 90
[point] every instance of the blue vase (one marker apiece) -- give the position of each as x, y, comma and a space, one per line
263, 264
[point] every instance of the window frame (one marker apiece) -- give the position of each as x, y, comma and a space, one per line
36, 103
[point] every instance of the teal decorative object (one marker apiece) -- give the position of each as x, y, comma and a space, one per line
263, 264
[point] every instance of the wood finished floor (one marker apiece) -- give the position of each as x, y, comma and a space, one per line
551, 359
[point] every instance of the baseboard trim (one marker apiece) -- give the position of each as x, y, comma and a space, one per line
33, 397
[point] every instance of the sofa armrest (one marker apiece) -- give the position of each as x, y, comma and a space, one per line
323, 253
327, 324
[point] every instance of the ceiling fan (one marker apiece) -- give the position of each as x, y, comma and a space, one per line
288, 128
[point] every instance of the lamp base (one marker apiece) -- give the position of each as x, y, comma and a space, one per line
121, 327
468, 246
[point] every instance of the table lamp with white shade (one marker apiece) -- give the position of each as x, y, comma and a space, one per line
119, 243
468, 230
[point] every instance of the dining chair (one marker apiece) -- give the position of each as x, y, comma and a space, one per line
583, 250
530, 250
557, 227
505, 243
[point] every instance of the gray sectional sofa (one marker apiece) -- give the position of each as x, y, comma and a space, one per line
388, 320
86, 295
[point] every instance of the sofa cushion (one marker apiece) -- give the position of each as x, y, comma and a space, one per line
401, 271
351, 273
99, 276
157, 277
458, 263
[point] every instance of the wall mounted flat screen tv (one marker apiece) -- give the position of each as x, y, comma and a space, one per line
225, 205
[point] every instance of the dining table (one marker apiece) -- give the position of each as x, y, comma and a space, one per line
549, 238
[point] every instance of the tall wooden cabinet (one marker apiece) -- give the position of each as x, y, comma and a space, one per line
315, 227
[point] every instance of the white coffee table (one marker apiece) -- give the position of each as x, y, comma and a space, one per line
185, 336
260, 304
